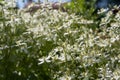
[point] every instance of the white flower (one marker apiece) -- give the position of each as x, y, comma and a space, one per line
114, 39
62, 57
65, 34
103, 43
66, 77
10, 3
44, 59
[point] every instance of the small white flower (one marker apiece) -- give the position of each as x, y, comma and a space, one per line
62, 57
44, 59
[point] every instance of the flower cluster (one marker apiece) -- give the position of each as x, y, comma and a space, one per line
54, 45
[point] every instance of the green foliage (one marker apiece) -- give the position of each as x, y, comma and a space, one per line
55, 45
81, 7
